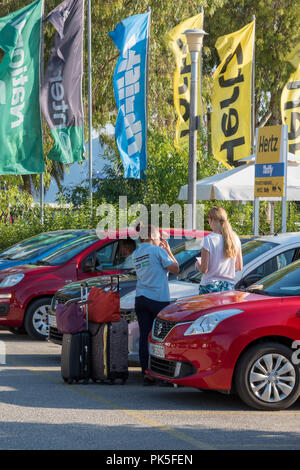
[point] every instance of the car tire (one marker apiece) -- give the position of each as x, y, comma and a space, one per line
266, 377
36, 320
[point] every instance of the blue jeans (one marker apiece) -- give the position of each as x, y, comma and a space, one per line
146, 311
216, 286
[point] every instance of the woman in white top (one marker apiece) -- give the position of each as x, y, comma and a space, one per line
221, 254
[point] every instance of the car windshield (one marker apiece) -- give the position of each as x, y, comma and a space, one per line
22, 247
283, 283
73, 248
185, 249
42, 245
255, 248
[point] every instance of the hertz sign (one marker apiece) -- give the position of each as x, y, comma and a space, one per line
270, 166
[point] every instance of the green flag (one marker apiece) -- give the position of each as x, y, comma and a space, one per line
21, 140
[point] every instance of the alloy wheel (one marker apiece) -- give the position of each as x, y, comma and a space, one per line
272, 378
40, 320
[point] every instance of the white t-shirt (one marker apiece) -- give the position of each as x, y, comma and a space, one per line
219, 267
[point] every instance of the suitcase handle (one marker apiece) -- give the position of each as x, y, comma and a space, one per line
118, 280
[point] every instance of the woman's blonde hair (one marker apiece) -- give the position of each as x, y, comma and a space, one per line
219, 214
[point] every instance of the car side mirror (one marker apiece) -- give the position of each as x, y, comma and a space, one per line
248, 280
88, 265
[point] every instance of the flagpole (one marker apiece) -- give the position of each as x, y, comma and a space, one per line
42, 197
256, 199
42, 191
200, 77
90, 103
142, 173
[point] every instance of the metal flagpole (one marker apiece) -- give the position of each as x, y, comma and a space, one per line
200, 76
90, 102
284, 198
147, 81
256, 199
42, 191
42, 197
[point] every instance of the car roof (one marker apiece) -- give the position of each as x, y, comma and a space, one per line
281, 238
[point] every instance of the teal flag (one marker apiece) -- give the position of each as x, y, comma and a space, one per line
21, 140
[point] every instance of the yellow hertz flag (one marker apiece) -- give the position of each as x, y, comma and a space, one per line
231, 100
290, 103
176, 40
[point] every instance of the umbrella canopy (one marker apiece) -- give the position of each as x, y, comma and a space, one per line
238, 184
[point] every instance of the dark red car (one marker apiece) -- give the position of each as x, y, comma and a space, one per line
26, 291
242, 341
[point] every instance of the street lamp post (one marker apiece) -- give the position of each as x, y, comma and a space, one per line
194, 39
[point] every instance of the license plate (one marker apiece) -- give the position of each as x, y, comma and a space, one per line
52, 320
157, 350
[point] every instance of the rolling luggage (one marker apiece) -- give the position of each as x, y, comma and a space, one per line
109, 351
76, 349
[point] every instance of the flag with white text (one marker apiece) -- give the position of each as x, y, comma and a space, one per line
61, 97
21, 139
130, 85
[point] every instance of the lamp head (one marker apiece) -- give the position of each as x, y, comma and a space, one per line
194, 39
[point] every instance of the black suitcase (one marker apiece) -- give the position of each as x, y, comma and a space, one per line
75, 357
109, 351
76, 350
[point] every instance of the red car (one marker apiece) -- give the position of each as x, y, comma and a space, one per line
26, 291
242, 341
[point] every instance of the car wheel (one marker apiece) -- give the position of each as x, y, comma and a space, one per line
266, 378
36, 318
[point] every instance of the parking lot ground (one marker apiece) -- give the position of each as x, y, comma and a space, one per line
38, 411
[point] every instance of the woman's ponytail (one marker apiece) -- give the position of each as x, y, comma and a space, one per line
220, 215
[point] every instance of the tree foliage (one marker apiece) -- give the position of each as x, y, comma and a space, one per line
277, 26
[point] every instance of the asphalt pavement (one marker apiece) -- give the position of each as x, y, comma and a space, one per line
38, 411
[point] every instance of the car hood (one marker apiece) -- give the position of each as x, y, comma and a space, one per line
191, 308
178, 290
6, 263
25, 269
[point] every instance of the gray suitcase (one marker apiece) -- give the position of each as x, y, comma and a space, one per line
109, 351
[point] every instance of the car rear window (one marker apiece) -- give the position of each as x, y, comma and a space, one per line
185, 249
255, 248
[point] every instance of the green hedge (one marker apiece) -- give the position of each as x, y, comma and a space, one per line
240, 216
